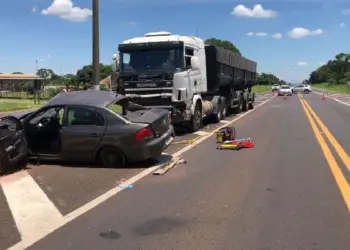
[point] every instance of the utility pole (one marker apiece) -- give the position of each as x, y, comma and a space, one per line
95, 45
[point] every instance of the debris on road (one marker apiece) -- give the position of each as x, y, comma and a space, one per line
120, 184
323, 97
225, 134
168, 165
187, 141
236, 144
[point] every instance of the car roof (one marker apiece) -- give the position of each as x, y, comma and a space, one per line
86, 97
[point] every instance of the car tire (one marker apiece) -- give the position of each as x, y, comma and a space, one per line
112, 157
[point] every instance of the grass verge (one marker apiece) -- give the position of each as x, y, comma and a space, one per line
261, 88
7, 105
341, 88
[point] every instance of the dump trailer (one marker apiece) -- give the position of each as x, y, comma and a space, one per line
191, 79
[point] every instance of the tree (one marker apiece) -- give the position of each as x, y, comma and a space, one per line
335, 71
84, 75
223, 44
17, 73
268, 79
45, 73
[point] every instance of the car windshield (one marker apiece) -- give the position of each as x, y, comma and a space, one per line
155, 60
285, 87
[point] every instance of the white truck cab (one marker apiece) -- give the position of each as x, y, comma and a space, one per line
163, 70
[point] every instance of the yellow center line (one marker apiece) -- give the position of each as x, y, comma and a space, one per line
341, 181
341, 152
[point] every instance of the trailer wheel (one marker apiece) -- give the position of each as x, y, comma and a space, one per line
251, 105
218, 117
197, 118
224, 110
244, 104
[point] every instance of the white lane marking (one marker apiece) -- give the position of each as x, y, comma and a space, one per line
225, 121
336, 99
94, 203
201, 133
33, 212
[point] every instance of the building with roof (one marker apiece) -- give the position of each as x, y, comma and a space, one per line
17, 85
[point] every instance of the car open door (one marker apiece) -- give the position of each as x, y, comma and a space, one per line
13, 145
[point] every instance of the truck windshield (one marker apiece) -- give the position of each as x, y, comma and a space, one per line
155, 60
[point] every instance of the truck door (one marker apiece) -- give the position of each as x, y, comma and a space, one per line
13, 145
194, 76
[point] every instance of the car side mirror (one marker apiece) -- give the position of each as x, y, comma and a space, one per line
195, 63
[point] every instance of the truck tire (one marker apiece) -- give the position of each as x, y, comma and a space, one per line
237, 110
197, 118
251, 103
244, 103
218, 117
224, 110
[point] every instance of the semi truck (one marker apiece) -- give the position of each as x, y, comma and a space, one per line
191, 79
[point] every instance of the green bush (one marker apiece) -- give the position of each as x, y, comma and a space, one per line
53, 92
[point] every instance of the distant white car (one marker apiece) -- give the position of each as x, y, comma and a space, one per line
307, 88
285, 90
275, 87
299, 88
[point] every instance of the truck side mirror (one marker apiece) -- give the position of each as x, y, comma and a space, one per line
115, 65
195, 63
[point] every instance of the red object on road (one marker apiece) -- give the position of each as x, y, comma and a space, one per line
243, 143
247, 144
323, 97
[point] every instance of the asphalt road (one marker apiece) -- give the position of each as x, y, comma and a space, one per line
285, 193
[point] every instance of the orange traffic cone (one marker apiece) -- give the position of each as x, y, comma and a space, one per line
323, 97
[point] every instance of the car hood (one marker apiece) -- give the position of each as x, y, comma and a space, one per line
21, 114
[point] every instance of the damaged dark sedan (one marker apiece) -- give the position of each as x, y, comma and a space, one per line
86, 126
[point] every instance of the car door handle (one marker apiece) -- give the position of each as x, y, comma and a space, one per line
94, 135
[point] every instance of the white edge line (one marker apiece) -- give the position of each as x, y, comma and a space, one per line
104, 197
335, 99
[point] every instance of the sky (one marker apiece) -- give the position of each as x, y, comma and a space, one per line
287, 38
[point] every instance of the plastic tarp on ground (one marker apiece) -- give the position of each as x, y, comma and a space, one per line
234, 60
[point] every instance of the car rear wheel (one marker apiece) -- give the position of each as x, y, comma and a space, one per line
112, 157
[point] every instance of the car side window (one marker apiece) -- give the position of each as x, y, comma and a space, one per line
84, 116
54, 112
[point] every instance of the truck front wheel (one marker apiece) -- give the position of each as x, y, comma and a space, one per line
197, 118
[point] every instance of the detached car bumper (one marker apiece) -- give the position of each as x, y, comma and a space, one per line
152, 148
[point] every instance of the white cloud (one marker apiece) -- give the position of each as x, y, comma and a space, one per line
48, 56
346, 12
342, 25
66, 10
297, 33
256, 34
256, 12
302, 64
260, 34
277, 35
35, 9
